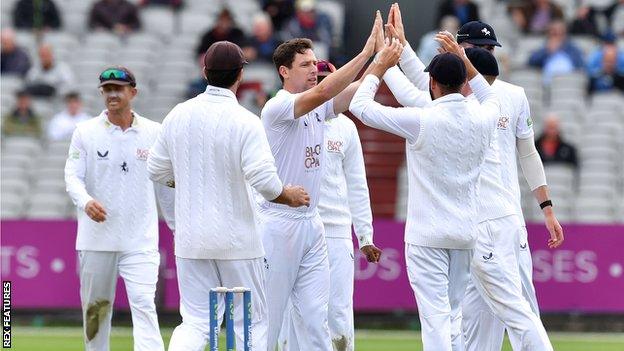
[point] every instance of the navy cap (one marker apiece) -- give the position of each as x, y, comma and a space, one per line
477, 33
447, 69
483, 61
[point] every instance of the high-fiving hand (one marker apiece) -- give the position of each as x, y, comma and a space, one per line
371, 42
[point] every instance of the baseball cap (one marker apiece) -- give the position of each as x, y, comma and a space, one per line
118, 76
224, 56
447, 69
477, 33
483, 61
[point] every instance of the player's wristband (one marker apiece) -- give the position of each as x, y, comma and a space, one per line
546, 204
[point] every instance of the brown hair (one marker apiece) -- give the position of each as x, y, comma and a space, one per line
285, 54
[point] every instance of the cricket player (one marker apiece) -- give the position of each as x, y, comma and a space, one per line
214, 151
516, 139
446, 144
294, 120
493, 275
477, 315
344, 200
106, 177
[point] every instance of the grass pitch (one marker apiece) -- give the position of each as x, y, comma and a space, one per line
70, 339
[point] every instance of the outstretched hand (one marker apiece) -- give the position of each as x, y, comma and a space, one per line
395, 20
371, 42
448, 44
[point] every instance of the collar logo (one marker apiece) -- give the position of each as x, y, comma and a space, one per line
485, 31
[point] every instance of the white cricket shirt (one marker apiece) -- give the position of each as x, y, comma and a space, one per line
514, 122
445, 150
215, 151
297, 145
344, 195
110, 166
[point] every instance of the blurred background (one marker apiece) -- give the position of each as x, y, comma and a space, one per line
568, 55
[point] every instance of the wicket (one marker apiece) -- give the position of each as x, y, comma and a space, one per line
230, 338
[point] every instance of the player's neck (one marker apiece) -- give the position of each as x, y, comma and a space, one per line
292, 89
122, 118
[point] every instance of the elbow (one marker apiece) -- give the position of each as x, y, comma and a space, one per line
324, 92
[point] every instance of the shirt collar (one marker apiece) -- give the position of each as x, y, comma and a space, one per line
111, 127
213, 91
448, 98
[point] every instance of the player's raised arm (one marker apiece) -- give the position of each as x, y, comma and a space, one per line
411, 65
337, 81
403, 122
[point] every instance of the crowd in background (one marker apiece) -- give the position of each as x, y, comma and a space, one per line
46, 77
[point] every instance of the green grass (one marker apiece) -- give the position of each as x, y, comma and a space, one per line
70, 339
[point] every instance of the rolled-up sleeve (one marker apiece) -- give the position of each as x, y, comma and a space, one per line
258, 164
75, 170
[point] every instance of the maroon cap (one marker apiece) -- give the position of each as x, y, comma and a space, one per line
224, 56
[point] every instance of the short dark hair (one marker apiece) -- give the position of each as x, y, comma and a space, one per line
448, 89
222, 78
285, 54
72, 95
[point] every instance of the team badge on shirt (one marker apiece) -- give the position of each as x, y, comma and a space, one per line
503, 122
142, 154
334, 146
312, 157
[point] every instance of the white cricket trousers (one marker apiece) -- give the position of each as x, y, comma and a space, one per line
439, 278
195, 279
491, 328
98, 280
495, 294
340, 315
298, 269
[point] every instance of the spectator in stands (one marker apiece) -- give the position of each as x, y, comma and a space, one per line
280, 11
224, 29
428, 47
199, 84
174, 4
615, 16
36, 14
62, 125
263, 41
534, 16
22, 121
309, 23
119, 16
606, 67
50, 77
584, 22
559, 55
464, 10
14, 59
551, 146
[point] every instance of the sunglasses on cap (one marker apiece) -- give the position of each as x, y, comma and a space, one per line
116, 74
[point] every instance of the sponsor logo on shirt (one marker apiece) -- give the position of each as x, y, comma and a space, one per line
312, 156
74, 155
102, 155
142, 154
334, 146
503, 122
529, 122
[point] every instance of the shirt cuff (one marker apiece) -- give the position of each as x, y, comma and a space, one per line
365, 240
479, 86
82, 201
407, 52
